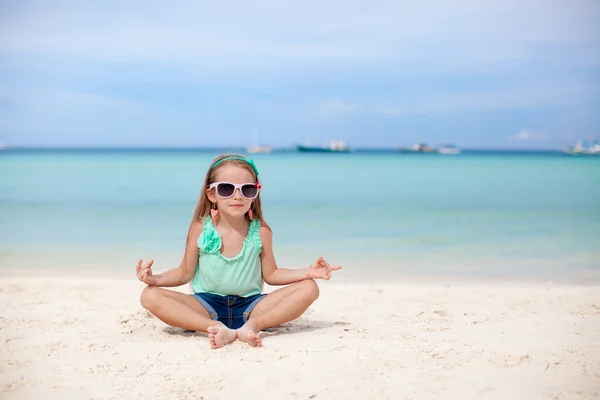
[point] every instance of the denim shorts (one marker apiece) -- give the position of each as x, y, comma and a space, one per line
233, 311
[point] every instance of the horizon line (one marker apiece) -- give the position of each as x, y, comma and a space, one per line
245, 148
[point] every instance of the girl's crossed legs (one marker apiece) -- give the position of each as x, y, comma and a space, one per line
183, 311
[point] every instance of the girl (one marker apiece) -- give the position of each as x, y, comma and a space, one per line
228, 256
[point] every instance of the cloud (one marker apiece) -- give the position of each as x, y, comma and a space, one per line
529, 96
336, 107
269, 33
288, 65
528, 135
49, 100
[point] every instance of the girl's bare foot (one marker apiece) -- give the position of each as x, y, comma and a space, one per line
220, 335
248, 334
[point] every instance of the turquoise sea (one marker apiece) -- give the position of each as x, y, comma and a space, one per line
534, 215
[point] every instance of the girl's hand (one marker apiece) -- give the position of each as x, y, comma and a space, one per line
144, 273
321, 269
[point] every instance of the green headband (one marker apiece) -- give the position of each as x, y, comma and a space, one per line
250, 162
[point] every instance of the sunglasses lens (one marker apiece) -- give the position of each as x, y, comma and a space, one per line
225, 189
249, 191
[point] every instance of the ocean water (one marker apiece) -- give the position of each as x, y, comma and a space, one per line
377, 214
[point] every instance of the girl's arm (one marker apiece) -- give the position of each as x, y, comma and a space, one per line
273, 275
186, 270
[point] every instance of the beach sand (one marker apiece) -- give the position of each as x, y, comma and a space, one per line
88, 337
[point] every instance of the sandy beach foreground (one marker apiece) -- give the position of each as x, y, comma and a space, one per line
88, 338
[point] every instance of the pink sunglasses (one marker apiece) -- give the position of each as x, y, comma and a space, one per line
226, 190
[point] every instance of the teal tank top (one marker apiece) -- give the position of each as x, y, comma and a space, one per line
240, 275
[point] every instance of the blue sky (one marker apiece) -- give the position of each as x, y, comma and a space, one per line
508, 74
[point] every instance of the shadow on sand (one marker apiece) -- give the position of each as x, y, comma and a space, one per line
297, 326
303, 325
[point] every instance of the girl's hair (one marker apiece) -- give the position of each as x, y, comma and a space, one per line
203, 206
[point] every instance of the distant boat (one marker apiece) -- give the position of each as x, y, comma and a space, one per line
335, 146
256, 147
448, 149
422, 148
417, 148
581, 148
259, 149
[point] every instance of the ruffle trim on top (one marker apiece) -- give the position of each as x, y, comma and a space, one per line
210, 241
253, 238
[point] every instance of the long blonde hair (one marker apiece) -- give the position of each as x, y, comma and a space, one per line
203, 206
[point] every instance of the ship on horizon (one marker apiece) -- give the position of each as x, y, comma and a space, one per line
448, 149
582, 148
335, 146
418, 147
259, 149
421, 147
256, 147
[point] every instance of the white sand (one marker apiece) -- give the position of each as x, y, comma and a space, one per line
88, 338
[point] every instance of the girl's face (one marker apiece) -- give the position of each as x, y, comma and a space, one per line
234, 204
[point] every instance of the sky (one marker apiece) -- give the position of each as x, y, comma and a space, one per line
477, 73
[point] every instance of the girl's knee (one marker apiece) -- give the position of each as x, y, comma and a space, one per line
149, 297
312, 289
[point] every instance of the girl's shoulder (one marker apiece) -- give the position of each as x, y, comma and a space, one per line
265, 230
195, 232
196, 228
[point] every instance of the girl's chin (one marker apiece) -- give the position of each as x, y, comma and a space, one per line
236, 211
